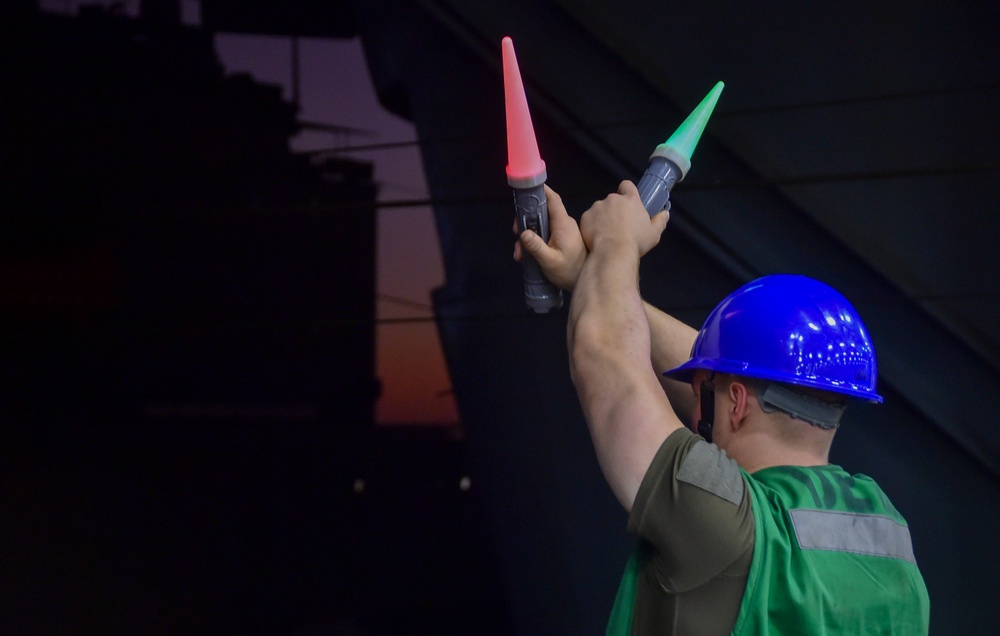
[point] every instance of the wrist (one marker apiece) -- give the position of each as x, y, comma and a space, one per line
614, 245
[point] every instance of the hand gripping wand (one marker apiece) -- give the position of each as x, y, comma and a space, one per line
671, 160
526, 175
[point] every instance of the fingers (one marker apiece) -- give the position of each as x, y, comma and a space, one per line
628, 189
660, 220
555, 202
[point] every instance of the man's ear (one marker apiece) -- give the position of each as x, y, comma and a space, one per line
739, 398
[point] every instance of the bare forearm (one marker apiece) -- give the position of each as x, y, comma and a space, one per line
609, 342
670, 346
607, 320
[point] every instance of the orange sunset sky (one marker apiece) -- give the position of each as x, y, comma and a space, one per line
334, 88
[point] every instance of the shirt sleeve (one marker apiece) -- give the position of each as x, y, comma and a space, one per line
694, 510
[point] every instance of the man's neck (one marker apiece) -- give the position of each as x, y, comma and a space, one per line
764, 451
785, 459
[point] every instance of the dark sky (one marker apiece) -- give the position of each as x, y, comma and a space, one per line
335, 88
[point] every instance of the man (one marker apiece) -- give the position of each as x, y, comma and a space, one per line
754, 533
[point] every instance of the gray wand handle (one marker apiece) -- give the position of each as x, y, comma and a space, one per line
656, 183
532, 213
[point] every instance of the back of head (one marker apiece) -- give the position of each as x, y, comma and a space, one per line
800, 341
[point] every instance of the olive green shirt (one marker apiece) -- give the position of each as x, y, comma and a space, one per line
831, 555
692, 512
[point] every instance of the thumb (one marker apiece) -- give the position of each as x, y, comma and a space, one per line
532, 242
537, 248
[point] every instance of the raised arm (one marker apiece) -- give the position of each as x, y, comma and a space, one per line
627, 411
670, 340
670, 343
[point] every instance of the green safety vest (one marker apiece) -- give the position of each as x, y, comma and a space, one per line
831, 556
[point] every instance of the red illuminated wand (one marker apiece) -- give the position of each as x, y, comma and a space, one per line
526, 175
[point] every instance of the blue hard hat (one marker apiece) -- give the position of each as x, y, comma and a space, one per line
787, 328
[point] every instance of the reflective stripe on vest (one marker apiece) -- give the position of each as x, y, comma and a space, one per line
875, 535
